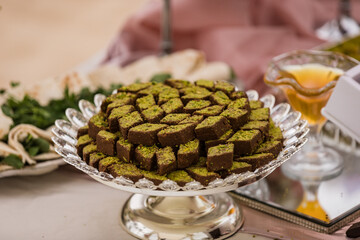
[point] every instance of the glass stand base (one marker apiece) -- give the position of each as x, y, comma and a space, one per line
314, 164
214, 216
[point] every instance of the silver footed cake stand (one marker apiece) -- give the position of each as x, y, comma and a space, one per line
168, 211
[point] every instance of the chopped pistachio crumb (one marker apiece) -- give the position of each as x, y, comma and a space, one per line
147, 151
107, 135
165, 156
209, 121
174, 128
239, 103
205, 83
180, 175
244, 135
84, 139
190, 146
220, 149
261, 114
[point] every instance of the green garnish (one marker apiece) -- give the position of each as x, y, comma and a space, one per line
12, 160
35, 146
14, 84
30, 111
160, 77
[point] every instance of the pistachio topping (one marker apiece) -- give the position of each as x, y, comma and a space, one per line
244, 135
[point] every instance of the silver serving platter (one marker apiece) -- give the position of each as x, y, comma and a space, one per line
293, 128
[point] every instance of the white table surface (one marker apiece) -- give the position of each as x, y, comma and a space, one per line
64, 204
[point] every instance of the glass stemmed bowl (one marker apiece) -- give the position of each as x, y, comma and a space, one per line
307, 79
168, 211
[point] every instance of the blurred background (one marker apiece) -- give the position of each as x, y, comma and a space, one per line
40, 39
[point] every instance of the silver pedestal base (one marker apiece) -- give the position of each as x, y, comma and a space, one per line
201, 217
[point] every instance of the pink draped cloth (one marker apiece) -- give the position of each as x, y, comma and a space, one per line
246, 34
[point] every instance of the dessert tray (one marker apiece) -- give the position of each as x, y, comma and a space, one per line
168, 211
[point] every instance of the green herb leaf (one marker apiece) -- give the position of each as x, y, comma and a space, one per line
12, 160
35, 146
43, 145
6, 109
29, 111
2, 91
232, 74
160, 78
33, 151
14, 84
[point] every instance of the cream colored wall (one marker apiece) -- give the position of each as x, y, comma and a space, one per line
43, 38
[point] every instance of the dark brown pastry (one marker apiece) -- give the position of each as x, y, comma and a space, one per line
176, 135
174, 118
242, 103
220, 98
195, 119
145, 134
82, 142
168, 94
174, 105
135, 87
166, 160
208, 84
212, 128
256, 160
214, 110
180, 177
128, 121
226, 87
177, 126
118, 103
194, 90
126, 170
200, 163
261, 114
153, 114
221, 140
202, 175
238, 94
220, 157
262, 126
195, 105
177, 83
125, 150
105, 142
245, 141
105, 163
83, 131
145, 156
236, 168
94, 159
122, 98
255, 104
236, 117
145, 102
154, 177
116, 114
154, 90
275, 132
194, 93
188, 153
87, 150
97, 123
270, 146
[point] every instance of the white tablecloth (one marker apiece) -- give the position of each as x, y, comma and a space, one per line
64, 204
